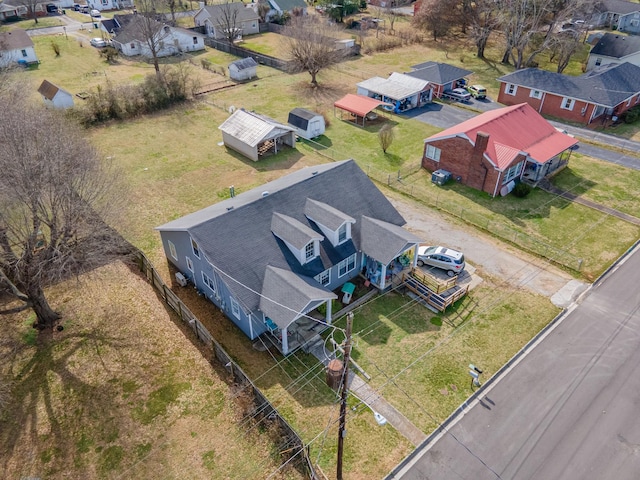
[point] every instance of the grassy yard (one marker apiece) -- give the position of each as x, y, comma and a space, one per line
121, 392
43, 22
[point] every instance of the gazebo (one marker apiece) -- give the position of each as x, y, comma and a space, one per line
359, 107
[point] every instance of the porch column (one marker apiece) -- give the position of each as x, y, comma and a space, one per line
383, 277
327, 317
415, 256
285, 341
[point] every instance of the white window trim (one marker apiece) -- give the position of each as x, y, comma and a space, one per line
346, 234
345, 262
235, 308
307, 257
172, 249
209, 282
432, 153
566, 100
189, 263
318, 277
510, 86
515, 169
536, 94
195, 248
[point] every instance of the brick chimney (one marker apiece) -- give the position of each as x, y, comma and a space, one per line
482, 140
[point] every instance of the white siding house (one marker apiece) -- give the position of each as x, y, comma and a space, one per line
218, 19
16, 47
55, 96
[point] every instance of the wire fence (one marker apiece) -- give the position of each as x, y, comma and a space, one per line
290, 443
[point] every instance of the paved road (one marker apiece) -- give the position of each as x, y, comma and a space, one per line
567, 411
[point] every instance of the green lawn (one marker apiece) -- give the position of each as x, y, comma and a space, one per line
43, 22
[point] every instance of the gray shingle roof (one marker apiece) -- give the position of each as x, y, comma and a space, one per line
616, 45
438, 73
236, 236
283, 287
326, 215
299, 117
252, 128
608, 85
244, 63
292, 231
222, 11
384, 241
288, 5
14, 40
617, 6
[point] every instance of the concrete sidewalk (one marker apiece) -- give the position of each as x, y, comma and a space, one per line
602, 138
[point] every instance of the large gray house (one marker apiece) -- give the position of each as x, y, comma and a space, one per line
270, 256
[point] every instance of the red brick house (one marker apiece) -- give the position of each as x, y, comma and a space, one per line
494, 150
604, 92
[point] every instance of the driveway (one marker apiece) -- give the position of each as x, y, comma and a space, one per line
484, 252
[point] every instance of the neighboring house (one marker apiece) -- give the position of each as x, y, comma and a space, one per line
617, 15
130, 39
109, 4
402, 91
614, 48
218, 19
243, 69
441, 76
280, 7
24, 11
607, 91
11, 11
308, 124
255, 135
113, 25
16, 47
272, 255
492, 151
55, 96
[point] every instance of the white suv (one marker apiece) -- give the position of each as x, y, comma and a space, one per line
441, 257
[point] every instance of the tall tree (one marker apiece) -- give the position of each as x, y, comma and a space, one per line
151, 26
483, 17
228, 21
310, 43
434, 16
32, 6
55, 194
521, 21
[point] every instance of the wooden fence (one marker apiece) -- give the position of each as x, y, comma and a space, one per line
267, 60
292, 448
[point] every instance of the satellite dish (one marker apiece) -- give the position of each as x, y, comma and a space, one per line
232, 109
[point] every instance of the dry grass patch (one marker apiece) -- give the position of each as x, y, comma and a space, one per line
122, 392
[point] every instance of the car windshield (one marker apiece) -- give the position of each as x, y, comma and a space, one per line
459, 261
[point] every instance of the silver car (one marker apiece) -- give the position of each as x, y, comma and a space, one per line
441, 257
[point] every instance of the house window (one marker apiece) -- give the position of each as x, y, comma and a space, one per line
235, 308
172, 249
189, 264
342, 233
512, 173
536, 94
208, 281
195, 40
105, 2
346, 265
24, 53
324, 278
567, 103
511, 89
194, 247
433, 153
309, 251
598, 62
133, 45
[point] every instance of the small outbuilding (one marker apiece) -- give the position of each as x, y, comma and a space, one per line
243, 69
55, 96
308, 124
255, 135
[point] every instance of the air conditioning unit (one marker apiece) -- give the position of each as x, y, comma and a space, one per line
181, 279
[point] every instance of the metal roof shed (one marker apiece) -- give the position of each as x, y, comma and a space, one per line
358, 106
308, 124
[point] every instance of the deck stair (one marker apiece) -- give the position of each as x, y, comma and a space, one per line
434, 293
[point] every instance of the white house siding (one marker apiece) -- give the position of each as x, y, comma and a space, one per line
176, 41
604, 60
60, 100
235, 144
28, 54
108, 4
244, 74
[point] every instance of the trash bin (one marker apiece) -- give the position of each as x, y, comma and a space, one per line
440, 177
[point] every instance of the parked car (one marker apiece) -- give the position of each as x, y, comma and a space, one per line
52, 8
441, 257
84, 8
477, 91
95, 13
98, 42
459, 94
76, 7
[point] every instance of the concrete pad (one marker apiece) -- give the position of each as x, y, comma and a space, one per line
568, 294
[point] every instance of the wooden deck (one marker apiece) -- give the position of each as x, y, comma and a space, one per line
438, 295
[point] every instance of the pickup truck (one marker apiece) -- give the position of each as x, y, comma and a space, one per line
458, 94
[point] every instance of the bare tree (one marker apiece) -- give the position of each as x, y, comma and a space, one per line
483, 18
564, 45
263, 9
386, 136
391, 13
521, 20
149, 24
227, 21
55, 195
434, 16
32, 6
172, 5
311, 46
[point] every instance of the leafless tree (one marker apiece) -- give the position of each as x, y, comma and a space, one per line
434, 16
150, 25
521, 20
311, 46
227, 21
31, 6
564, 45
172, 5
386, 136
263, 10
390, 13
483, 18
55, 196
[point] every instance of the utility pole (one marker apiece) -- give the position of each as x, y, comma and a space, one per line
342, 432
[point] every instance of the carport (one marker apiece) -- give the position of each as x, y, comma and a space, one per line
358, 107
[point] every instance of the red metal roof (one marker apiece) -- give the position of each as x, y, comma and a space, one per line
512, 130
358, 104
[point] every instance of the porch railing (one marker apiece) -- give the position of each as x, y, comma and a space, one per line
435, 300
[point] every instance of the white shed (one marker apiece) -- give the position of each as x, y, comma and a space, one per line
255, 135
243, 69
55, 96
308, 124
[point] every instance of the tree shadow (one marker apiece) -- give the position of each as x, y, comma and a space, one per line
572, 182
283, 160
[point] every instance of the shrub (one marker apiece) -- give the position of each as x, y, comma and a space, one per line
56, 48
521, 190
632, 115
109, 54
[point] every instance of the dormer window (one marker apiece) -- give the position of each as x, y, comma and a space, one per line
309, 251
342, 233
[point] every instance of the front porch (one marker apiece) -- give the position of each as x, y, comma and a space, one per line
535, 172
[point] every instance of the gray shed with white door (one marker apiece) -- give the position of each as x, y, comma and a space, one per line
244, 69
308, 124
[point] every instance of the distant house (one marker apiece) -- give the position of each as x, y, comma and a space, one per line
8, 11
23, 9
218, 19
282, 7
131, 40
273, 257
441, 76
402, 91
492, 151
16, 47
109, 4
113, 25
614, 48
618, 15
255, 135
243, 69
55, 96
308, 124
599, 94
